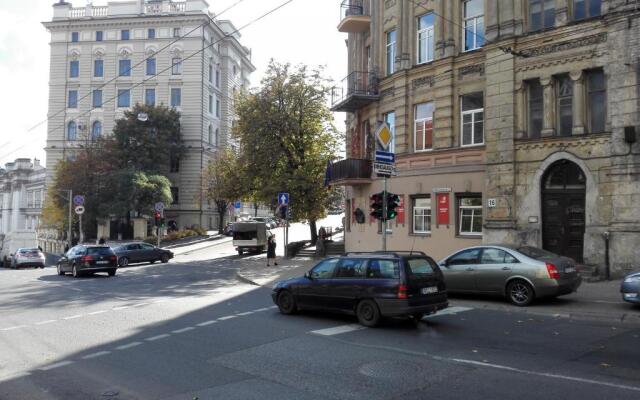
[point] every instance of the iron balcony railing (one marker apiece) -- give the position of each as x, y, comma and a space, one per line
351, 8
351, 168
356, 84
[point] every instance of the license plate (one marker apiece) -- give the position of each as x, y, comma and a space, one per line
102, 262
631, 295
569, 270
429, 290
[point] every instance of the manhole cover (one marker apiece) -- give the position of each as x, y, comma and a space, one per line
391, 370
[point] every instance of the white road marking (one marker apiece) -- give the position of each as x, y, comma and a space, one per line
128, 346
183, 330
49, 321
226, 318
76, 289
120, 308
56, 365
546, 374
450, 310
97, 312
73, 316
95, 355
261, 309
213, 321
245, 313
158, 337
11, 328
140, 304
336, 330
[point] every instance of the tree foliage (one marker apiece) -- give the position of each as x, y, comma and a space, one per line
287, 136
224, 182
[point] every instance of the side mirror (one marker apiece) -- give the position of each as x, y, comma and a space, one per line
443, 264
308, 275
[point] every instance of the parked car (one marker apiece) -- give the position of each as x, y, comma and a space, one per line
141, 252
521, 273
27, 258
267, 221
369, 285
83, 259
630, 288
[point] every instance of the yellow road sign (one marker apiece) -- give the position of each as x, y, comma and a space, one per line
384, 135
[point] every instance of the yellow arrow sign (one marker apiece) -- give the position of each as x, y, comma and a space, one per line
384, 135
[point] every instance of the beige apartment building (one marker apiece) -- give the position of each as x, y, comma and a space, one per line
105, 59
513, 121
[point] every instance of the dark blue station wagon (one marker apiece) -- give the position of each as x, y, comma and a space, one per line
369, 285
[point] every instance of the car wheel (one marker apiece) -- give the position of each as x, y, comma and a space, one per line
123, 261
368, 313
60, 271
240, 251
520, 293
164, 258
75, 272
286, 302
417, 317
112, 272
42, 267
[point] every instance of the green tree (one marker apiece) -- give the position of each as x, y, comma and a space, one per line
223, 182
136, 191
287, 136
148, 145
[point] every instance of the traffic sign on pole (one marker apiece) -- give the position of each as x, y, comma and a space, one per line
384, 135
238, 204
385, 157
384, 169
79, 210
78, 200
159, 206
283, 198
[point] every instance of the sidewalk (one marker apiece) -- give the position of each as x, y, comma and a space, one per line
599, 301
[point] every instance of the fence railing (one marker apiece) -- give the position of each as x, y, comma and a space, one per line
356, 83
349, 8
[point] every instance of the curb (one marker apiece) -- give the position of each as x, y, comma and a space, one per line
208, 239
247, 280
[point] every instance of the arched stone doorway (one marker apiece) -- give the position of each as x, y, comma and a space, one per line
563, 209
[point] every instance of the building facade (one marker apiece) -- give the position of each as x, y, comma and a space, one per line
105, 59
512, 121
22, 193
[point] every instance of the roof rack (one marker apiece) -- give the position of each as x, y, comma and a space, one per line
394, 253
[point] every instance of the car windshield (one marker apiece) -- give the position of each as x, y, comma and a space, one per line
99, 251
420, 267
536, 253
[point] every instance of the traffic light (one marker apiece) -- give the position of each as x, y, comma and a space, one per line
157, 217
393, 202
376, 206
162, 223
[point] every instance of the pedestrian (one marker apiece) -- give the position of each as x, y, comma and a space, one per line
101, 241
271, 250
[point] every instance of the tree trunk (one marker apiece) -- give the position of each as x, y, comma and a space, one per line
314, 231
255, 209
222, 210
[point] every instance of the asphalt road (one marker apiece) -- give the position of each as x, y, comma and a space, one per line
189, 329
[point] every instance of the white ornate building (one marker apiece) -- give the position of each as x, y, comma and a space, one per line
22, 194
105, 59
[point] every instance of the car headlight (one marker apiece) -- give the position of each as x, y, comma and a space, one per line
632, 279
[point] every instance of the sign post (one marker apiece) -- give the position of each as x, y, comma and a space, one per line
283, 201
384, 166
80, 210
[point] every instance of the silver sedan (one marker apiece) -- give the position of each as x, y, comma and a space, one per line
520, 273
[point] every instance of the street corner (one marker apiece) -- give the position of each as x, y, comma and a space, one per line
259, 274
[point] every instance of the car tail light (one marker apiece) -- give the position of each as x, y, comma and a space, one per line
402, 291
113, 258
86, 259
553, 271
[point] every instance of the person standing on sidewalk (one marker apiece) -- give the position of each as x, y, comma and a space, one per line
271, 250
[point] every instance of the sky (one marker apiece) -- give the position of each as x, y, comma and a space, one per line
303, 31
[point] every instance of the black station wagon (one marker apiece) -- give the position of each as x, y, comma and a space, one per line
369, 285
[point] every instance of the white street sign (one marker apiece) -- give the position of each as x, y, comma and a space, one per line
79, 210
384, 169
159, 206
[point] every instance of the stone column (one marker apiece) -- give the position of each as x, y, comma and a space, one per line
578, 102
521, 112
562, 12
439, 39
506, 18
492, 27
408, 35
449, 30
548, 104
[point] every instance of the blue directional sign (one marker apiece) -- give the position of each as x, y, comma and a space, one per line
78, 200
283, 199
385, 157
238, 204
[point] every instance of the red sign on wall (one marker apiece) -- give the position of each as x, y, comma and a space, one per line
400, 216
443, 208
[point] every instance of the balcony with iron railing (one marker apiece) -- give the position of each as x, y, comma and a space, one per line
354, 16
357, 90
349, 172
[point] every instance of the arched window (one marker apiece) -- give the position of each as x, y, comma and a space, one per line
72, 131
96, 130
210, 134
